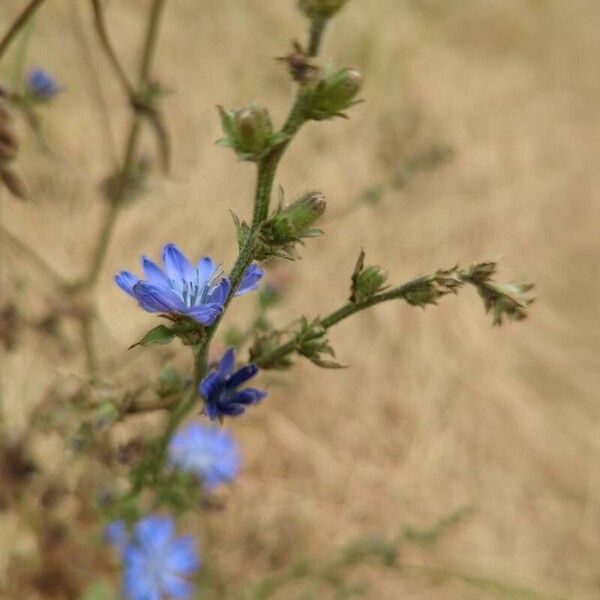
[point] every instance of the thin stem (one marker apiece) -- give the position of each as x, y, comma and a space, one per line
87, 335
100, 24
343, 313
266, 172
110, 219
18, 24
111, 215
317, 29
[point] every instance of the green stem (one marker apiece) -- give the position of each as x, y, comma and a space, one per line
131, 152
343, 313
317, 29
266, 172
18, 24
102, 31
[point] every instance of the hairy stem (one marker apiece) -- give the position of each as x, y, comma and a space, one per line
343, 313
18, 24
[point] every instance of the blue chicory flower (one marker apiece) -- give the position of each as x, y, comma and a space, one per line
198, 292
220, 388
41, 85
210, 453
156, 564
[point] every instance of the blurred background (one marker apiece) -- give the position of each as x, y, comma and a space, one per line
483, 116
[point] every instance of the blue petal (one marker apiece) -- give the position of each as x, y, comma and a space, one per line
227, 363
205, 314
154, 531
182, 557
241, 376
178, 588
220, 294
204, 269
155, 298
126, 280
211, 410
249, 396
116, 534
232, 409
177, 266
210, 386
250, 280
154, 273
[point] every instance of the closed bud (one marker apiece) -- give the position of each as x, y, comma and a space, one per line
249, 132
320, 9
291, 223
369, 282
334, 93
366, 281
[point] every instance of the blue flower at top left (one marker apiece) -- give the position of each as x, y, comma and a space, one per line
183, 289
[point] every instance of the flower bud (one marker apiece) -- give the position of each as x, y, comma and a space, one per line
334, 93
369, 282
320, 9
291, 223
366, 281
249, 132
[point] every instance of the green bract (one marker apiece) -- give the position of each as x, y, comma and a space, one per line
249, 132
293, 222
334, 93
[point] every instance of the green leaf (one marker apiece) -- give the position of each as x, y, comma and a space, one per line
159, 335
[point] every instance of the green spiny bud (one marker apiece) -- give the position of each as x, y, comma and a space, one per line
334, 93
369, 282
249, 132
291, 223
320, 9
366, 281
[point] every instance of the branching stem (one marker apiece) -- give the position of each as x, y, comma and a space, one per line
18, 24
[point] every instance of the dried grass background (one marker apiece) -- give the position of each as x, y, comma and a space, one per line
438, 410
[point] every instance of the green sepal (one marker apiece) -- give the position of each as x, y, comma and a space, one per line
161, 334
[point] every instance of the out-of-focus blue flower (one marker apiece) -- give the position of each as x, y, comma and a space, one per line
156, 564
210, 453
220, 388
116, 535
41, 85
198, 292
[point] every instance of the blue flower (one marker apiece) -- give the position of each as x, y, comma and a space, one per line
41, 85
198, 292
156, 564
116, 535
219, 388
210, 453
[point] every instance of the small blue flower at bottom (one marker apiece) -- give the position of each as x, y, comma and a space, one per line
210, 453
220, 388
156, 564
41, 85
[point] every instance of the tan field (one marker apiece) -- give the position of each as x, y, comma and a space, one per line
438, 411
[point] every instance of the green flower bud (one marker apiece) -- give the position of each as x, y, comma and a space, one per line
294, 222
366, 281
249, 132
334, 93
369, 282
320, 9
